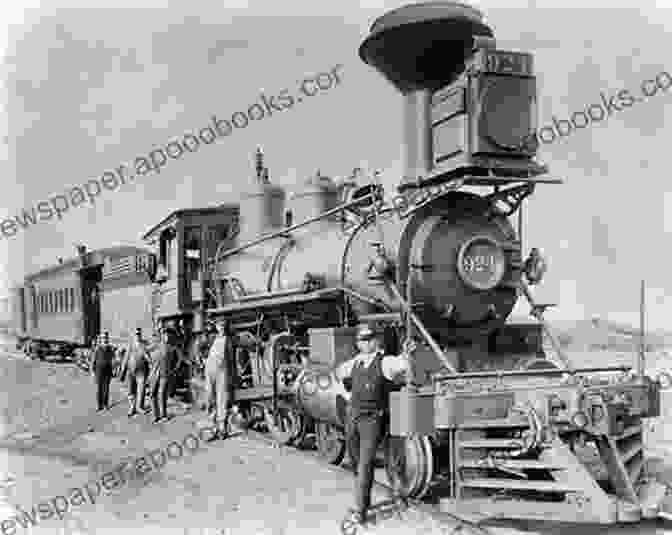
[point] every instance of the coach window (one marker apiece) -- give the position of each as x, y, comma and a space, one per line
192, 252
72, 298
61, 304
215, 235
167, 250
192, 258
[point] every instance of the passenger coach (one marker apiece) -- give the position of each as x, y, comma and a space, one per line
65, 306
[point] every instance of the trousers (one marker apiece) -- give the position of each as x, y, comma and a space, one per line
103, 380
218, 393
160, 389
365, 434
136, 390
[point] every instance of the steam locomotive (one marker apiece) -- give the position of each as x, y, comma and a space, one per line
487, 421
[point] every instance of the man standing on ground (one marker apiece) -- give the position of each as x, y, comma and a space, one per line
372, 374
136, 365
163, 369
103, 363
218, 379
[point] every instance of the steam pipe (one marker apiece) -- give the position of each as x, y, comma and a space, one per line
219, 255
428, 337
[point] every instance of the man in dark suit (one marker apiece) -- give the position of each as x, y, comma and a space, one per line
164, 364
103, 363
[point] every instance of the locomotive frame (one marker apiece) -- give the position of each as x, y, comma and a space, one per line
516, 441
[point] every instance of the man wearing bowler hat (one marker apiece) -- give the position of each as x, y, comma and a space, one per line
103, 363
372, 374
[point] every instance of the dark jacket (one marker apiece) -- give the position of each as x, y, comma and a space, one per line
370, 387
103, 358
164, 361
136, 361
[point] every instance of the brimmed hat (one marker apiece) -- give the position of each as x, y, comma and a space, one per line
365, 332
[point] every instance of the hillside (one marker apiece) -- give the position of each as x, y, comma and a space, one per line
601, 334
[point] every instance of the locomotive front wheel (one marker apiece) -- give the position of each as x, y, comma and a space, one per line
330, 443
409, 463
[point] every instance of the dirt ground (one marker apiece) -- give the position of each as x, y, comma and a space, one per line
54, 444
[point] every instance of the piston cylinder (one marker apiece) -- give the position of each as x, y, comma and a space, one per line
323, 396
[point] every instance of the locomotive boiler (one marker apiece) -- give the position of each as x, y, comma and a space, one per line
487, 419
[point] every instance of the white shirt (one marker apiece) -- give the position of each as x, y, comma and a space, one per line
218, 352
392, 366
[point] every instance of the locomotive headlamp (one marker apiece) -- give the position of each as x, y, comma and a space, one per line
535, 267
481, 263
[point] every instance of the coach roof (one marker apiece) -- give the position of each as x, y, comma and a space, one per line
94, 257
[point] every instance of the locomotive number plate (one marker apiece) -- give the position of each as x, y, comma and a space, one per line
481, 263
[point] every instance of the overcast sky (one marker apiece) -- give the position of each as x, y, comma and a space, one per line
86, 90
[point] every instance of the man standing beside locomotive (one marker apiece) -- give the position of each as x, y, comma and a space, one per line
101, 369
164, 365
136, 365
372, 374
218, 377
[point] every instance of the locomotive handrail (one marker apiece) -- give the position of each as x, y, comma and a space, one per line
418, 323
508, 373
219, 255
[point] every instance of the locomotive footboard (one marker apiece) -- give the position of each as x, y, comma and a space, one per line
541, 445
